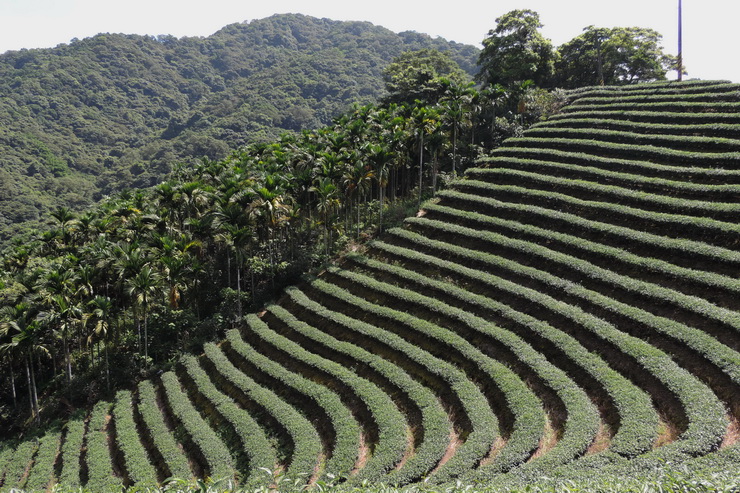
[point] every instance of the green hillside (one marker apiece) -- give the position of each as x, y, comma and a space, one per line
111, 112
569, 309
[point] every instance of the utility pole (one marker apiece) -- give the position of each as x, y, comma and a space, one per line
679, 62
599, 63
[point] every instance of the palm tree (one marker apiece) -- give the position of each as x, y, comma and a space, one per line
496, 98
392, 129
129, 258
435, 141
328, 201
65, 218
426, 121
166, 197
102, 310
142, 288
357, 180
380, 155
194, 197
57, 292
302, 180
455, 103
64, 315
86, 276
86, 226
227, 216
9, 358
268, 210
20, 334
240, 241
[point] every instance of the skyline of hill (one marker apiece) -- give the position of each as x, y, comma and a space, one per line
113, 111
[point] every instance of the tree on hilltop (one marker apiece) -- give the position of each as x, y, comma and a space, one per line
422, 75
613, 56
515, 51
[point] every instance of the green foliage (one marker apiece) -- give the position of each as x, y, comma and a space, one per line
70, 452
705, 422
240, 432
720, 211
515, 51
113, 112
138, 468
41, 475
174, 463
98, 456
19, 463
668, 107
443, 342
342, 431
155, 272
679, 142
297, 431
666, 478
581, 423
639, 152
390, 425
6, 453
422, 75
638, 419
613, 56
200, 439
433, 420
710, 231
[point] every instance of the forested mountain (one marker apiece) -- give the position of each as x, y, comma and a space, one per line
115, 111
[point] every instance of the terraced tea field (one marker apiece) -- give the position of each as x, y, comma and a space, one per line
570, 304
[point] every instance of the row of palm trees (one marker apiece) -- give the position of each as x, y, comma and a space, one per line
147, 273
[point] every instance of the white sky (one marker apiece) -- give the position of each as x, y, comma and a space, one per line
711, 33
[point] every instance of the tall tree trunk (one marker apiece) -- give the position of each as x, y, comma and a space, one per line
393, 184
380, 208
326, 234
146, 338
107, 367
253, 285
358, 217
435, 171
454, 149
197, 301
67, 359
272, 261
239, 291
12, 386
228, 266
35, 393
138, 334
28, 384
421, 166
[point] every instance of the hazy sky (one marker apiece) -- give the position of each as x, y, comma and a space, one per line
711, 32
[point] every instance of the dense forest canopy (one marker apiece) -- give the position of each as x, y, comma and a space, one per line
113, 112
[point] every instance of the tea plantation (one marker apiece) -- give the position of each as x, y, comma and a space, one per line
568, 309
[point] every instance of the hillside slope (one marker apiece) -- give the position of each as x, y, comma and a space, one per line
116, 111
571, 303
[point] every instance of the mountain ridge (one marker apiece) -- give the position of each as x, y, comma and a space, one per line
113, 111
